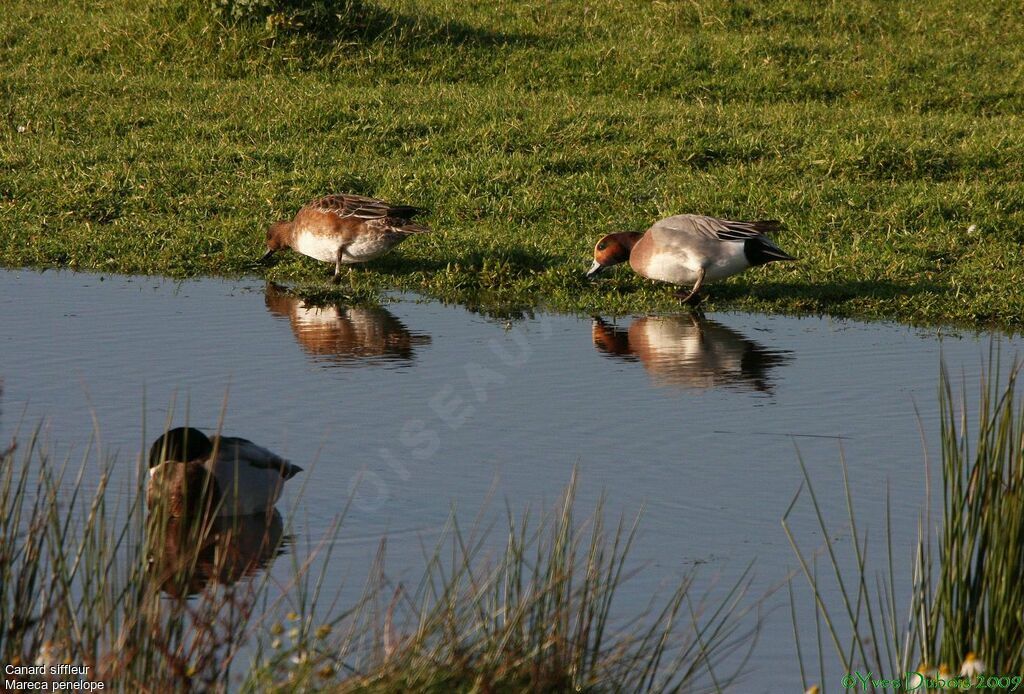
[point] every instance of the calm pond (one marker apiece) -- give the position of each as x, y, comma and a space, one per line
416, 408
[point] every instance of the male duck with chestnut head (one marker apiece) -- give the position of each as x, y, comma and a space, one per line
690, 249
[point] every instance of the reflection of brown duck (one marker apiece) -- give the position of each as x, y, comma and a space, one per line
344, 334
687, 352
229, 549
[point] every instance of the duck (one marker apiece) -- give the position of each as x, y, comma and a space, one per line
195, 474
690, 249
344, 229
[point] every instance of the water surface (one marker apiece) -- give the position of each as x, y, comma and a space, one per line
416, 408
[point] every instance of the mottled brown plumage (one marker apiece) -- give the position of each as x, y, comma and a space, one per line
186, 490
345, 229
192, 473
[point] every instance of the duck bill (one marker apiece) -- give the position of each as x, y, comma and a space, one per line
594, 270
265, 257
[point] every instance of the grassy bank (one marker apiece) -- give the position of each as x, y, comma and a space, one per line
151, 137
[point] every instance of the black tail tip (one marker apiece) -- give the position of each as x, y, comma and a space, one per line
408, 211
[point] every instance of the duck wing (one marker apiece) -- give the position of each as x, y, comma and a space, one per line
232, 449
375, 213
715, 229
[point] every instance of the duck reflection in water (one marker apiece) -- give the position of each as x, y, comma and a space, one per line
690, 352
345, 335
187, 554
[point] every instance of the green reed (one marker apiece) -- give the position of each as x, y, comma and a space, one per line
90, 576
536, 614
966, 595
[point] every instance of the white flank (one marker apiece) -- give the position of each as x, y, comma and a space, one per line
317, 246
729, 261
367, 248
679, 266
674, 268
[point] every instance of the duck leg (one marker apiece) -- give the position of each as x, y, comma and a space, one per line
692, 299
337, 266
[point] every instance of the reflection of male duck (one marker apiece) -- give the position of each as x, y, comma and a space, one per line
690, 352
187, 554
344, 334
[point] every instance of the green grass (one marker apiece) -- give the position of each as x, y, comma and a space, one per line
157, 139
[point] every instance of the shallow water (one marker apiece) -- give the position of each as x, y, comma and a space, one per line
417, 408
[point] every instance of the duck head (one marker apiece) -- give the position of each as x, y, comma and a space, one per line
612, 249
182, 444
279, 237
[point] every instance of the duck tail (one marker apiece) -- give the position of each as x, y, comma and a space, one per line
289, 470
406, 211
761, 251
767, 226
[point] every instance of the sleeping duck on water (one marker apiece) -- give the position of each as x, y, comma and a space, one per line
193, 473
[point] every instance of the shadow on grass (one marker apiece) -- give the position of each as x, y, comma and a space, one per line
484, 268
831, 292
328, 23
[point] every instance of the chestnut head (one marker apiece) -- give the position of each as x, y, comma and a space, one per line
612, 249
279, 237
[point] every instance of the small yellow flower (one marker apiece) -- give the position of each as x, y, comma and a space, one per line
292, 616
944, 672
323, 630
326, 672
293, 633
973, 665
277, 629
275, 644
813, 689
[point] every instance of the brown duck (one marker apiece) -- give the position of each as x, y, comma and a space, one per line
344, 230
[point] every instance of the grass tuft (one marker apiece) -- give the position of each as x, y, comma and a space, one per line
965, 605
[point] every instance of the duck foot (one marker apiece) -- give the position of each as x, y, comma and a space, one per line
345, 274
338, 264
692, 299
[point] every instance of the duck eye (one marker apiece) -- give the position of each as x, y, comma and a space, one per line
601, 246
